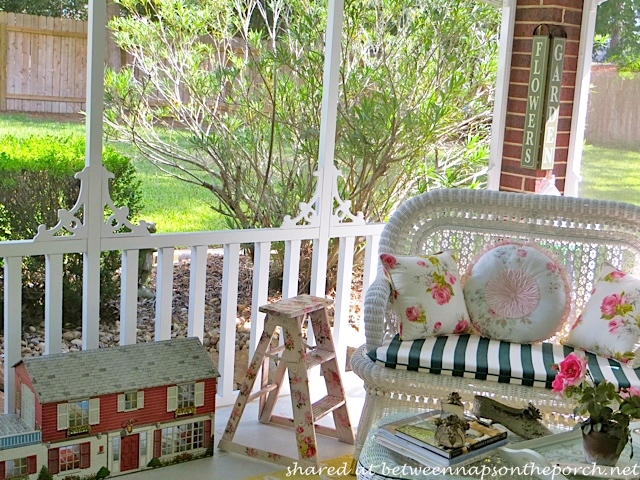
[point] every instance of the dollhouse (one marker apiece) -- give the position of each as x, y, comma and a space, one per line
123, 408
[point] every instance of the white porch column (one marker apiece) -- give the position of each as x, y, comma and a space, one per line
581, 97
93, 214
330, 83
505, 51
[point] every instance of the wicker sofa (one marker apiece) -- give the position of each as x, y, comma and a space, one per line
583, 233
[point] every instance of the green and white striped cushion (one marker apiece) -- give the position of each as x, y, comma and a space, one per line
478, 357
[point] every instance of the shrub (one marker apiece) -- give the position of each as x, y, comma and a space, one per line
102, 473
154, 463
37, 179
182, 457
45, 474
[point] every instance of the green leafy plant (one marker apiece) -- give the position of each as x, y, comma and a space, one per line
102, 473
45, 474
37, 179
227, 96
607, 409
154, 463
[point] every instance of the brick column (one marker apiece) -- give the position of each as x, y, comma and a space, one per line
530, 14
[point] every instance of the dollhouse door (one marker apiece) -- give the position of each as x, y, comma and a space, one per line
129, 456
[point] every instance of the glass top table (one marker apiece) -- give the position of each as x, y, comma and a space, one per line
555, 458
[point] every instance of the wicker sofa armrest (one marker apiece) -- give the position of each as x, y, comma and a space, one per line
375, 307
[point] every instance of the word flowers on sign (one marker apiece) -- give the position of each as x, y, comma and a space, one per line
543, 101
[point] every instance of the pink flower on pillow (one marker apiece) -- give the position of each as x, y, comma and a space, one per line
461, 326
614, 276
421, 263
437, 326
450, 278
629, 392
552, 267
388, 261
522, 252
441, 295
415, 314
615, 324
609, 304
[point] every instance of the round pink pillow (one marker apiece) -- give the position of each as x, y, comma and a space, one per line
516, 293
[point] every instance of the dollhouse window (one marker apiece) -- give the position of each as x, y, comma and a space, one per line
15, 468
116, 449
143, 443
74, 415
130, 401
186, 396
69, 458
18, 467
78, 413
181, 438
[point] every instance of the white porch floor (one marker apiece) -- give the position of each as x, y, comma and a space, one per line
229, 466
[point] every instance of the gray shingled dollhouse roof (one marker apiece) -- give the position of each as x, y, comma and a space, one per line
76, 375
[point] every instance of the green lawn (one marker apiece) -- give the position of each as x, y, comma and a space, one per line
175, 206
610, 174
179, 207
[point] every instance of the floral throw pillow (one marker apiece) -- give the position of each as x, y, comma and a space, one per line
426, 294
517, 293
609, 324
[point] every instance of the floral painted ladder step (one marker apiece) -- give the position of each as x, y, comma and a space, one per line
296, 357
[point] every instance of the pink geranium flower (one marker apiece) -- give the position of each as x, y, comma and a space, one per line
441, 295
389, 261
573, 369
609, 303
630, 392
557, 385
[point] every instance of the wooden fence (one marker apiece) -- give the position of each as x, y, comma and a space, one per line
613, 118
43, 63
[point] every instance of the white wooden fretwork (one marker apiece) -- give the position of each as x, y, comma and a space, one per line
309, 211
71, 226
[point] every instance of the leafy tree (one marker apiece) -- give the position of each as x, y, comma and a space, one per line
75, 9
226, 94
617, 37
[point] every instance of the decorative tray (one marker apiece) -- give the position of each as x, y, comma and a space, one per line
560, 456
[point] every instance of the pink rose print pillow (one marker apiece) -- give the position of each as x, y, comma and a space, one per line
610, 321
426, 294
517, 293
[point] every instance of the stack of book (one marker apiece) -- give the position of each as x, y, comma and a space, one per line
414, 437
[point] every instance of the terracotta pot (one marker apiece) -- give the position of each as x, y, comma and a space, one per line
600, 448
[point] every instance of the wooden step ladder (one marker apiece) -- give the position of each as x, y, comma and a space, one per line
297, 358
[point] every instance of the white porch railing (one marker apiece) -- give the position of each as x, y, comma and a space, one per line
343, 226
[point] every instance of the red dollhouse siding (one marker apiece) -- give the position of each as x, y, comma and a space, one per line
23, 378
155, 410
